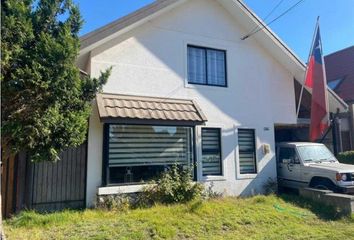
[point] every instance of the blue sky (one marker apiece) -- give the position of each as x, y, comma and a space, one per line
295, 28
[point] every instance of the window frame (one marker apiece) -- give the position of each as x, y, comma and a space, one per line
220, 151
247, 175
105, 152
206, 66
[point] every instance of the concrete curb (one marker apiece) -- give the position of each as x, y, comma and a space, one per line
343, 202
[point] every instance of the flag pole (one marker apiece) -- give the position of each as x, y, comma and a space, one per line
308, 59
299, 103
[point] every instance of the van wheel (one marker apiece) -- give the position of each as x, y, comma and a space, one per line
323, 184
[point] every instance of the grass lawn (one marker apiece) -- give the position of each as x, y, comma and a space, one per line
259, 217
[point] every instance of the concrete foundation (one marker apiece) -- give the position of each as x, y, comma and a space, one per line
344, 203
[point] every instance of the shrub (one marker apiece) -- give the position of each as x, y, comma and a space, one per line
346, 157
174, 186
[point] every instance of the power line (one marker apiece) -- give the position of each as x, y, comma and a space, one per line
266, 25
266, 17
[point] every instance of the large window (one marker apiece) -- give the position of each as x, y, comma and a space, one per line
138, 153
206, 66
211, 151
247, 151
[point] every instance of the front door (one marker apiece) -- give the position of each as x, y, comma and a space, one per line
289, 168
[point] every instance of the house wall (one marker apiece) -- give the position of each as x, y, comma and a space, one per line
152, 60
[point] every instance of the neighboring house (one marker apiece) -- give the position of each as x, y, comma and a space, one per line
340, 78
340, 73
185, 88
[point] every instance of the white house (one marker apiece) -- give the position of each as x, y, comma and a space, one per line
185, 88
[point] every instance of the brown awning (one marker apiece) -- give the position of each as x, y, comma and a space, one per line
139, 109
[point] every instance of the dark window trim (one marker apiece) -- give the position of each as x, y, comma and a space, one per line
105, 168
220, 151
193, 143
254, 152
151, 122
206, 66
105, 164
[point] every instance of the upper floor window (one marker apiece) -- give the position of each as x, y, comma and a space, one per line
206, 66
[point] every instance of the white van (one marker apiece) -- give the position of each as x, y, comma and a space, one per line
304, 164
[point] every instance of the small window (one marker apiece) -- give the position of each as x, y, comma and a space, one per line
206, 66
247, 151
211, 151
288, 153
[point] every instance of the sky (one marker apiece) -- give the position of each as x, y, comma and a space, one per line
295, 28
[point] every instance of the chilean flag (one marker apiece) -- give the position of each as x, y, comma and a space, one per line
316, 81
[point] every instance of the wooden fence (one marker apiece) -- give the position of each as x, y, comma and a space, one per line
8, 191
44, 186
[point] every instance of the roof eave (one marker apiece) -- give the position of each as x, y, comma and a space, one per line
93, 39
266, 30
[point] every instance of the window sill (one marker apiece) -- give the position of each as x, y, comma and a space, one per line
213, 178
247, 176
109, 190
205, 86
123, 189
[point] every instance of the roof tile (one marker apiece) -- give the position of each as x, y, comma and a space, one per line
149, 108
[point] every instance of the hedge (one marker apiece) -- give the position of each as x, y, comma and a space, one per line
346, 157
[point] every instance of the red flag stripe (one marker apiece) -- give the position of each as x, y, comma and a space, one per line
316, 80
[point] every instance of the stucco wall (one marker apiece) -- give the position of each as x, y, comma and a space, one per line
94, 156
152, 60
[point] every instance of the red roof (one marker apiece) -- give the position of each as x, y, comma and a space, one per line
340, 65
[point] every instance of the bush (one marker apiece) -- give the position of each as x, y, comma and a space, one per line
346, 157
174, 186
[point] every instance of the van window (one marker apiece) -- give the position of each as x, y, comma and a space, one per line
288, 153
317, 153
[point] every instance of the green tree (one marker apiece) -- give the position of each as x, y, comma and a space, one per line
45, 101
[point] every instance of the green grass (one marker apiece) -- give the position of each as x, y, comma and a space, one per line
259, 217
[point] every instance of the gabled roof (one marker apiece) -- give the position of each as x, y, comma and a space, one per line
103, 34
248, 19
340, 71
